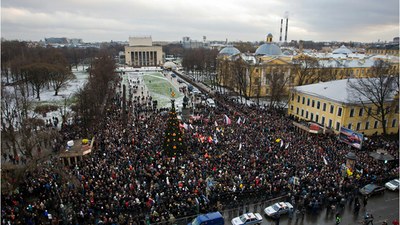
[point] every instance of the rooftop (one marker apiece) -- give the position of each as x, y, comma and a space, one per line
337, 91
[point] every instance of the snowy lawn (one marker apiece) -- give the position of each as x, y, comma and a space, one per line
160, 89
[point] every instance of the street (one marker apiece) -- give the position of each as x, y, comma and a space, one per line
382, 207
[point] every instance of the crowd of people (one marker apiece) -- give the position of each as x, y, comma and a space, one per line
127, 179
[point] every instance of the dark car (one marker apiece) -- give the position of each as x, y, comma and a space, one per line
372, 189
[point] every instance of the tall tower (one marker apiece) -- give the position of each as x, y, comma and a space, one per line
280, 35
287, 24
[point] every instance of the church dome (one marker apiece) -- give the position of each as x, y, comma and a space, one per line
269, 49
229, 50
342, 50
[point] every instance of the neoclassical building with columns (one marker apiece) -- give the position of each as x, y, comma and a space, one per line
142, 53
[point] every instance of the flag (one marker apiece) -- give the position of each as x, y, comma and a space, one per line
181, 125
240, 146
238, 121
326, 162
216, 124
185, 126
244, 120
227, 120
281, 143
190, 125
210, 139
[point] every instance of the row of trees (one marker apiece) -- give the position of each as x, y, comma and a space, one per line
27, 70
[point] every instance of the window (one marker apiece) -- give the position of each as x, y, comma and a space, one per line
318, 104
316, 118
330, 123
349, 126
352, 112
332, 108
339, 112
384, 124
307, 114
337, 126
312, 116
361, 112
291, 107
292, 97
308, 102
376, 124
394, 123
324, 107
298, 99
312, 103
297, 110
302, 112
367, 125
304, 99
358, 126
323, 120
369, 111
397, 109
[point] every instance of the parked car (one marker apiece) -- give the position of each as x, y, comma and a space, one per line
278, 208
393, 185
247, 219
180, 80
210, 102
214, 218
372, 189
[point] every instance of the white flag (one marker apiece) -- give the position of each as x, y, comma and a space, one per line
238, 121
240, 146
216, 124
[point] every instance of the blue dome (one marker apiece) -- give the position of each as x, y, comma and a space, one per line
269, 49
229, 50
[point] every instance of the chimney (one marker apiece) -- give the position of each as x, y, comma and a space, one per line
280, 36
287, 22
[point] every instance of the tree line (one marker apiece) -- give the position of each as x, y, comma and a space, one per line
27, 70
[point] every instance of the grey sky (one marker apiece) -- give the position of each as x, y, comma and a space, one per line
170, 20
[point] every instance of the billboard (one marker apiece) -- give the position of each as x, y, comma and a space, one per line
351, 137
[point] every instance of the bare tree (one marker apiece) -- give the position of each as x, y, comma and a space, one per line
277, 82
239, 76
59, 77
304, 69
37, 74
380, 91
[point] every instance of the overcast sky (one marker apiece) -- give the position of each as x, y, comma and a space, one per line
170, 20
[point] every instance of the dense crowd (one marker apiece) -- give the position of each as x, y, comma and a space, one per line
128, 180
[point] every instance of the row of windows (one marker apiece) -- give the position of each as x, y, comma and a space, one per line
311, 117
332, 107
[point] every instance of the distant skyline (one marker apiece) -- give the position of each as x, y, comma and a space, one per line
170, 20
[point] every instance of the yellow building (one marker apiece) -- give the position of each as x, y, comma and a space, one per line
333, 105
255, 74
261, 73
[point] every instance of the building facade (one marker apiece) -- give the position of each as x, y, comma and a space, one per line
263, 72
142, 53
332, 105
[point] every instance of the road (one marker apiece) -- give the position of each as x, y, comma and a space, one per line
384, 207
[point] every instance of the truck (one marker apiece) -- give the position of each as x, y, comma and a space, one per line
213, 218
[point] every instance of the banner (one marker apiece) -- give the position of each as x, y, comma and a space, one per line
351, 137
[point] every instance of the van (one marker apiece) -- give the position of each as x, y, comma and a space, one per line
214, 218
210, 102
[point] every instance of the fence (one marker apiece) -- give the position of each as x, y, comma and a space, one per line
229, 213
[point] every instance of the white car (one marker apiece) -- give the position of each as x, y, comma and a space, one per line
278, 208
393, 185
247, 219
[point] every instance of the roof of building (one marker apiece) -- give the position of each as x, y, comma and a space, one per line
269, 49
229, 50
342, 50
169, 65
337, 91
